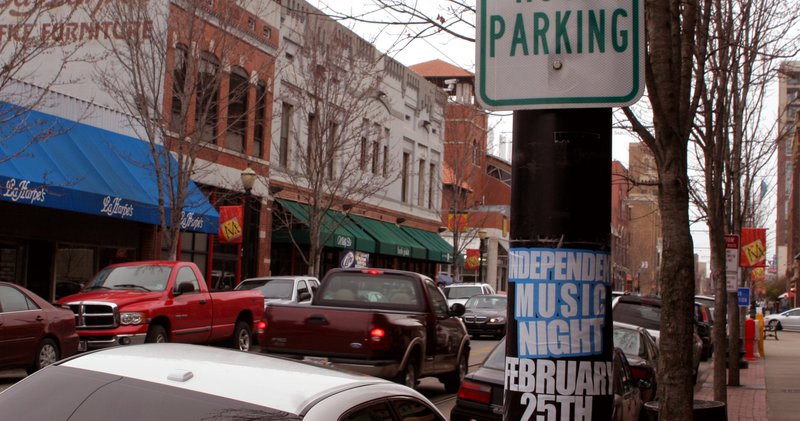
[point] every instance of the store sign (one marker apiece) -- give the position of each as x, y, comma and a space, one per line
344, 241
23, 191
231, 228
114, 206
189, 221
403, 251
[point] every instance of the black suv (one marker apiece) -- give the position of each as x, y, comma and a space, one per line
646, 312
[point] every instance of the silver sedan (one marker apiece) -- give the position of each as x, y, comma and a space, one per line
788, 320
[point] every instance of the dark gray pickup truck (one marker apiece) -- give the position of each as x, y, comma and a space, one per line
387, 323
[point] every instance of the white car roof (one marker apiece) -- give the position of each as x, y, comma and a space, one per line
263, 380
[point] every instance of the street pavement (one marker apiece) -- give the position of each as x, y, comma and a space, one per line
770, 386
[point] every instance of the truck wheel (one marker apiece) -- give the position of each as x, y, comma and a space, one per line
241, 336
156, 334
452, 381
46, 354
408, 377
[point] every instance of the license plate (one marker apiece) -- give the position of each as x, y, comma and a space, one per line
317, 360
81, 346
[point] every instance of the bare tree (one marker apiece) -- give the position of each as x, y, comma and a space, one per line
333, 145
168, 79
463, 186
733, 146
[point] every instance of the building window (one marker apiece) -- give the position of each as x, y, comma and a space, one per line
385, 160
312, 147
421, 184
237, 110
178, 94
286, 128
404, 177
431, 185
375, 153
260, 133
206, 110
333, 129
476, 156
363, 162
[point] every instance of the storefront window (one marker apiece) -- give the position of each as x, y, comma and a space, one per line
75, 266
8, 264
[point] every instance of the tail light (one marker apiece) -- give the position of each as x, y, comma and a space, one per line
372, 271
475, 392
261, 326
639, 373
377, 334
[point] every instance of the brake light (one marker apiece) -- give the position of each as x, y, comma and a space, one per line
639, 373
372, 271
261, 326
377, 334
475, 392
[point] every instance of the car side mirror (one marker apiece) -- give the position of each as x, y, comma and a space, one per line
457, 309
304, 296
184, 287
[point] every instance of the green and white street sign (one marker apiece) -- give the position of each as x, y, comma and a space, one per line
541, 54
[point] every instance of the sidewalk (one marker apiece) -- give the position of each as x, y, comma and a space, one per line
770, 387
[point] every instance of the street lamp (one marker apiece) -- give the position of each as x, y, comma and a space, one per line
248, 178
482, 249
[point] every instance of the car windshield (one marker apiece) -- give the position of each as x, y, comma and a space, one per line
486, 302
628, 341
462, 291
271, 288
497, 359
140, 277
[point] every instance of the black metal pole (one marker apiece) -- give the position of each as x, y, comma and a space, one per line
481, 246
559, 344
246, 246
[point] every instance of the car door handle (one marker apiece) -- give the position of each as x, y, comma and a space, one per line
202, 301
39, 318
317, 319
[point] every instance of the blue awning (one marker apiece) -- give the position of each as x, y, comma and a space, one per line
57, 163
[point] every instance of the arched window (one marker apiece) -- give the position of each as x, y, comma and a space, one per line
179, 92
207, 103
237, 110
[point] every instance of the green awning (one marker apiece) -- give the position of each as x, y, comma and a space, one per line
438, 249
341, 233
392, 241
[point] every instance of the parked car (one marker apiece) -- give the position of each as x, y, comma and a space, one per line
33, 333
480, 396
646, 312
282, 289
180, 382
161, 301
705, 329
788, 320
388, 323
460, 293
641, 350
486, 315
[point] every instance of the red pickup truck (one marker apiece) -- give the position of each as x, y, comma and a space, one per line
386, 323
161, 301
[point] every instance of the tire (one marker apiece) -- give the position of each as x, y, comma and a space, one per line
156, 334
46, 353
242, 338
408, 377
775, 325
452, 381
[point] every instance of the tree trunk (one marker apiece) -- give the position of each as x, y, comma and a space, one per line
718, 276
677, 284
